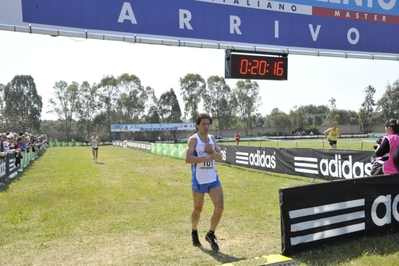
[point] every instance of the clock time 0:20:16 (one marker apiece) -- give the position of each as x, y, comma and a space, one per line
259, 67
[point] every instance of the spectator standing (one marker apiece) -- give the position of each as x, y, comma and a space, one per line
384, 152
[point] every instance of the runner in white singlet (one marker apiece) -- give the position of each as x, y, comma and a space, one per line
94, 140
202, 152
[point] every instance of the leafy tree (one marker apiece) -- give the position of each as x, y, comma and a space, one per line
64, 104
109, 92
343, 117
367, 109
246, 101
153, 117
217, 99
332, 111
23, 106
53, 129
298, 118
169, 108
279, 120
388, 105
88, 106
260, 120
133, 98
314, 129
192, 87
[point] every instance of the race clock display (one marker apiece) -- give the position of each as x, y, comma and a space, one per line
256, 66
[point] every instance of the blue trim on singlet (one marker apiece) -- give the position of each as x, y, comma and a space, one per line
194, 181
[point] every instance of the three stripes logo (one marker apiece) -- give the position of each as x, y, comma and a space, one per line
306, 165
242, 158
327, 221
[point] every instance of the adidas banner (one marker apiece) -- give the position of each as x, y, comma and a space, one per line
322, 213
324, 164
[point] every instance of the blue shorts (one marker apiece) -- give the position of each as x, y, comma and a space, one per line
204, 188
332, 142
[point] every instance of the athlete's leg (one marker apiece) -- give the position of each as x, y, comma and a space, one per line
198, 199
216, 194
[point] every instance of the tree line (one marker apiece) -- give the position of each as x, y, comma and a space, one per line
83, 108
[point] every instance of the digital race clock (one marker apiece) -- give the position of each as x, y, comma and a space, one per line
246, 65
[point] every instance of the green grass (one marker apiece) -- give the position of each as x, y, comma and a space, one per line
134, 207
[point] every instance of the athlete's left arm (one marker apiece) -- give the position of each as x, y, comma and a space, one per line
218, 154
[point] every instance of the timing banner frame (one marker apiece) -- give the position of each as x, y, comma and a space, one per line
351, 29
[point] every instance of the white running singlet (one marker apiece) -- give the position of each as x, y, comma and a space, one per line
94, 143
205, 172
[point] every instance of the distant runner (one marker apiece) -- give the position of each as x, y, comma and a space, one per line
94, 140
237, 137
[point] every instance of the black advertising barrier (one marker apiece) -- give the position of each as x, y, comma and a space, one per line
326, 164
322, 213
8, 169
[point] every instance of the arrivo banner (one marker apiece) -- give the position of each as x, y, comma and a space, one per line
343, 25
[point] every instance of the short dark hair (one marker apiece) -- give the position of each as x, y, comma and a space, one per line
201, 116
392, 123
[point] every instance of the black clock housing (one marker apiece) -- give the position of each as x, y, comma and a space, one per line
246, 65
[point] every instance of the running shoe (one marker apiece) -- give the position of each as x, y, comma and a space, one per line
196, 242
211, 238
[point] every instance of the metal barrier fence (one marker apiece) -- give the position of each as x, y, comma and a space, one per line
10, 165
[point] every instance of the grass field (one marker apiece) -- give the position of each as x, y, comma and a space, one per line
134, 207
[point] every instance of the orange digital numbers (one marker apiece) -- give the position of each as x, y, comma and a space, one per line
248, 66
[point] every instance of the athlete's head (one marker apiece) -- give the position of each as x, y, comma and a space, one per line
200, 117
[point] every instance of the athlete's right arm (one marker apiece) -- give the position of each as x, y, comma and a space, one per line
327, 131
190, 158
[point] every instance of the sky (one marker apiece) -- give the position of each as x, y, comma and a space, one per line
311, 80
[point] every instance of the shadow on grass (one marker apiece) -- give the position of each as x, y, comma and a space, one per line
378, 245
219, 256
5, 184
